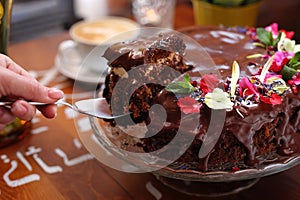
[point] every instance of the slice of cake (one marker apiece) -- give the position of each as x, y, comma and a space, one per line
245, 118
152, 54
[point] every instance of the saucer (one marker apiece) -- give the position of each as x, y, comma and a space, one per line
89, 67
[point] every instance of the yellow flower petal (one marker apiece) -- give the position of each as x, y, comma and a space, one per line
234, 77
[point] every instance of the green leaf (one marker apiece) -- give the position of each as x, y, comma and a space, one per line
187, 78
295, 61
296, 65
277, 39
288, 72
181, 87
265, 36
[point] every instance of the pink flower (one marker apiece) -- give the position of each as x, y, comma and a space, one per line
208, 83
280, 59
273, 28
246, 87
272, 75
274, 99
288, 34
188, 105
295, 80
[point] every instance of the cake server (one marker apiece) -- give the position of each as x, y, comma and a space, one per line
94, 107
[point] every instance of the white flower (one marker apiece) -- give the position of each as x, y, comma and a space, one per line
286, 44
218, 99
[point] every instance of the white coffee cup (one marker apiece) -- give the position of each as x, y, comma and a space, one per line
89, 36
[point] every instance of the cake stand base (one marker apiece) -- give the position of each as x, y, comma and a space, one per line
207, 189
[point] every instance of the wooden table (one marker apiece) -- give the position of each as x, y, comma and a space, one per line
51, 162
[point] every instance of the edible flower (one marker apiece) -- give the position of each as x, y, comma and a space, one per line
265, 69
246, 87
295, 80
291, 68
276, 85
267, 38
188, 105
208, 83
287, 44
270, 76
218, 99
270, 36
234, 77
281, 58
181, 87
274, 99
273, 28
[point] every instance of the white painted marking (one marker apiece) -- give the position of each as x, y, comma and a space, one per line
73, 161
23, 160
39, 130
77, 143
84, 124
155, 192
21, 181
46, 168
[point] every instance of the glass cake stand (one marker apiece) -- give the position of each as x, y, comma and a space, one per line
105, 147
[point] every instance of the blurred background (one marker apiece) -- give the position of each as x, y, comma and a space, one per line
32, 18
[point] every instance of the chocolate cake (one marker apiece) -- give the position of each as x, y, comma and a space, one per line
245, 117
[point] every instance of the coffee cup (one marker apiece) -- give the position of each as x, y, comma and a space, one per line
90, 36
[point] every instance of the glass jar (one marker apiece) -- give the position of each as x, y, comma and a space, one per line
13, 132
5, 16
18, 128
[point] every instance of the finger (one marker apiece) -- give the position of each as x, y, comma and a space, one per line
6, 116
23, 110
48, 111
8, 63
27, 88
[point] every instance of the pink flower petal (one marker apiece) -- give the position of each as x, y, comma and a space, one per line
274, 99
274, 29
295, 80
269, 75
280, 59
244, 84
208, 83
188, 105
288, 34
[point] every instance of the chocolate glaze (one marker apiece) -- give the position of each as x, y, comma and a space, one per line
225, 45
224, 52
278, 125
279, 121
134, 53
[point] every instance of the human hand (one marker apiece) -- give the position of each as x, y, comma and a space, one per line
16, 84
